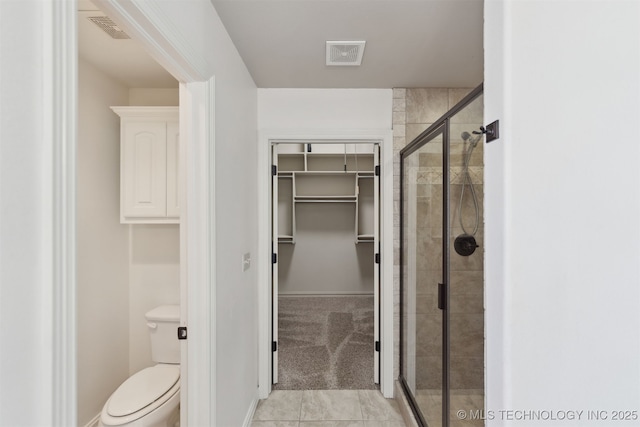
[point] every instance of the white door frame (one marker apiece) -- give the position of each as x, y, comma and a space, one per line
385, 139
142, 21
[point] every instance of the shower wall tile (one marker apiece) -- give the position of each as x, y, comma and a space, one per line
429, 254
399, 105
430, 376
467, 334
457, 129
429, 334
415, 129
399, 93
466, 304
422, 107
398, 130
473, 113
399, 117
423, 207
426, 105
427, 283
457, 150
467, 283
427, 302
468, 211
467, 372
457, 94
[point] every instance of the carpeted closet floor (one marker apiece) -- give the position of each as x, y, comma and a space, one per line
325, 343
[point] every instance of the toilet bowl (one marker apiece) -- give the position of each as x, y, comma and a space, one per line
151, 397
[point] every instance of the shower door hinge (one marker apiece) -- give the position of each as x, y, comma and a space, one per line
377, 170
378, 346
182, 332
274, 345
274, 170
274, 258
377, 258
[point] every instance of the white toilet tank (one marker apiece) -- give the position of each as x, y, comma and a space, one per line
163, 323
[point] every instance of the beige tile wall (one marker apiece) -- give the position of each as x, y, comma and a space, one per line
414, 110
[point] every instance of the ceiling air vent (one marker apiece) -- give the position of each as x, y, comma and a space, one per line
345, 53
109, 27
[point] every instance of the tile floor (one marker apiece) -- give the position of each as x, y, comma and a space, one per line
467, 401
327, 408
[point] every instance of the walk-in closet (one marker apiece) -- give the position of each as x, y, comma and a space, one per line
325, 276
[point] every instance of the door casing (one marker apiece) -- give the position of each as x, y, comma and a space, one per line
265, 140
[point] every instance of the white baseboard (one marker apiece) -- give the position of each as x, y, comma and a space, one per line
95, 421
252, 410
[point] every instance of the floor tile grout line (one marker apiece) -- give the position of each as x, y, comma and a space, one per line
360, 401
300, 410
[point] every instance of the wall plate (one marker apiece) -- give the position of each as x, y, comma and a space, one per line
493, 131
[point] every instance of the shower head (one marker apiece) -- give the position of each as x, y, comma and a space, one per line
465, 135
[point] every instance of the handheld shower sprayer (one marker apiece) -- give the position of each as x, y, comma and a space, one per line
465, 244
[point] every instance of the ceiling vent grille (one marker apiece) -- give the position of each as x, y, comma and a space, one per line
345, 53
109, 27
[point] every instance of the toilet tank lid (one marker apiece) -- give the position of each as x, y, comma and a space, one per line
165, 313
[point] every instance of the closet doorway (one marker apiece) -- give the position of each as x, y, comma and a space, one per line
325, 276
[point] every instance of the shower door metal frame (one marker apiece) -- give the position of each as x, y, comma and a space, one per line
440, 127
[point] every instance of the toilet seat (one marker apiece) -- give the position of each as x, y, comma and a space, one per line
141, 394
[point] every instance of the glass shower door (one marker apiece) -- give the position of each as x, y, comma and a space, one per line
423, 270
441, 268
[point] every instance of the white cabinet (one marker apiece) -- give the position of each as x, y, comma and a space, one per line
149, 150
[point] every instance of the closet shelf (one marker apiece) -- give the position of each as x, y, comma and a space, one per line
320, 177
325, 173
286, 239
325, 199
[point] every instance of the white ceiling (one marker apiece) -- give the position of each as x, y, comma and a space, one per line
124, 60
410, 43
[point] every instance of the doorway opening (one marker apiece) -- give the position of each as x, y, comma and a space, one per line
325, 275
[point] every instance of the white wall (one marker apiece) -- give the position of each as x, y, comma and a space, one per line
30, 348
154, 279
103, 244
326, 109
562, 207
22, 179
154, 96
236, 207
325, 260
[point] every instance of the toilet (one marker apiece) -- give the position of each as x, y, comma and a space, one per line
151, 397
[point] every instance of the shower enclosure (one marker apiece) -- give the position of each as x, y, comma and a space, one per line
441, 277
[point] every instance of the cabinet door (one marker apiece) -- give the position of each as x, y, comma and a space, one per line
143, 180
173, 176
